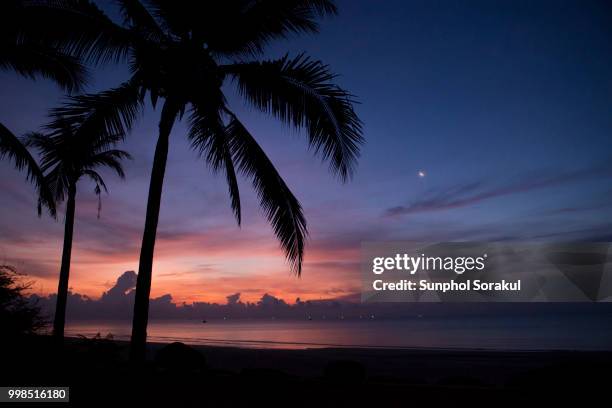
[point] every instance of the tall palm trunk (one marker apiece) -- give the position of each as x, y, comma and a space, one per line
143, 282
62, 287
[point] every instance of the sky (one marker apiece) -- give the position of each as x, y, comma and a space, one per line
504, 106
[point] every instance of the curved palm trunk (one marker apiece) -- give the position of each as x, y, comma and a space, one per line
143, 282
62, 288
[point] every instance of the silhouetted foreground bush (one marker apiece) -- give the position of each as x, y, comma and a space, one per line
178, 356
17, 315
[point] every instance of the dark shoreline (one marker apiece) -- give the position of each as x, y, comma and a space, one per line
99, 374
493, 367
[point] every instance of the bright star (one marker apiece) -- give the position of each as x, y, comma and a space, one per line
421, 173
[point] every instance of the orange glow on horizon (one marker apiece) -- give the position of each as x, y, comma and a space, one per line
196, 268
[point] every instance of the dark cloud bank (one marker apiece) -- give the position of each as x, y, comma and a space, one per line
117, 303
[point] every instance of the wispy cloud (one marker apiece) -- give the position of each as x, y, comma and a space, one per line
476, 192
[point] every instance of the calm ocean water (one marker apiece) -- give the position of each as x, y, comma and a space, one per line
572, 333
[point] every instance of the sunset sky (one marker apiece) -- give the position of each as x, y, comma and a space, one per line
506, 108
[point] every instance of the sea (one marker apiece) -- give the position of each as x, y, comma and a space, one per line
524, 333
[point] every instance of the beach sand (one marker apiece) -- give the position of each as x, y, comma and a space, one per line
99, 374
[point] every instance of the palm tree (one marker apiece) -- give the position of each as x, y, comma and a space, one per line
25, 50
70, 150
184, 52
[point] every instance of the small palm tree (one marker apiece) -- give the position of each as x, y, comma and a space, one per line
184, 52
70, 150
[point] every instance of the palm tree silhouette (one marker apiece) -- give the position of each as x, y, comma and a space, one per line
184, 52
72, 149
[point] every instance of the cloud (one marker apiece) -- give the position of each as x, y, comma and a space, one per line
477, 192
597, 233
233, 299
270, 301
118, 301
117, 304
123, 286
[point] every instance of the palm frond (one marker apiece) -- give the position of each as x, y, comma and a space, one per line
173, 16
235, 27
77, 27
52, 150
299, 91
73, 148
135, 14
57, 174
12, 148
34, 60
110, 158
105, 141
38, 141
280, 206
57, 180
250, 29
113, 111
97, 179
208, 138
240, 27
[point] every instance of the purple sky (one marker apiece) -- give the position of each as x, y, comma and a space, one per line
505, 105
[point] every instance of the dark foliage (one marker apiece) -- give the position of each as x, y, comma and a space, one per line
12, 148
18, 316
30, 49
